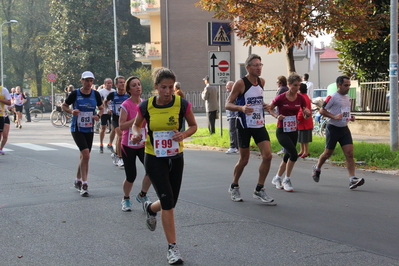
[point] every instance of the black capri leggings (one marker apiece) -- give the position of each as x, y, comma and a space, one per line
129, 158
288, 140
166, 177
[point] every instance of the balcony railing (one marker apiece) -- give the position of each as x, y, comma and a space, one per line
151, 50
144, 6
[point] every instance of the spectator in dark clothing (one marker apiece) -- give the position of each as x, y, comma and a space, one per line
27, 107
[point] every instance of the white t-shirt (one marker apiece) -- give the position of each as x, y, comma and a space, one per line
337, 103
104, 93
309, 85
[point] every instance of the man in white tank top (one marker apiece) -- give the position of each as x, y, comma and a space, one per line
247, 99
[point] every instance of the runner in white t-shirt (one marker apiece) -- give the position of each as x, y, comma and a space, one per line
106, 117
337, 107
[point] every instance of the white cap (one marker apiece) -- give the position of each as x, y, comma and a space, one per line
87, 74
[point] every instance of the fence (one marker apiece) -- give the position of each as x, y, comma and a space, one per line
198, 105
374, 97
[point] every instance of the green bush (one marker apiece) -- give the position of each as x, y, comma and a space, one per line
368, 155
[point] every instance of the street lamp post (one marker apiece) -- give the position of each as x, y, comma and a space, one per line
1, 47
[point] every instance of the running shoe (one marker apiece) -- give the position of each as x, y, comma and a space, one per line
142, 200
262, 196
126, 205
84, 192
277, 182
120, 162
231, 150
2, 152
77, 185
110, 148
287, 185
151, 221
174, 257
316, 174
20, 126
115, 158
101, 150
235, 194
356, 182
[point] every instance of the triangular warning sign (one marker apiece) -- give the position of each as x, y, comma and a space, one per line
221, 36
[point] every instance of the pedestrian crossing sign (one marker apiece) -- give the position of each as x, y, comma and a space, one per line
219, 34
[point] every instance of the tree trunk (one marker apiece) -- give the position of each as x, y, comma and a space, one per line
38, 73
290, 60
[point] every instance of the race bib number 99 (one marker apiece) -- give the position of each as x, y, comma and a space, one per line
163, 144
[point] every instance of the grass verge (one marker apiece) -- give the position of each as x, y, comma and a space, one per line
375, 156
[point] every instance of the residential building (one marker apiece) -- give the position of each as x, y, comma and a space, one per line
178, 39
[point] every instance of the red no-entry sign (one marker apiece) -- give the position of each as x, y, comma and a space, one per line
51, 77
223, 65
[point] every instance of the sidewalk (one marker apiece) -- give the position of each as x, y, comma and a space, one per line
202, 122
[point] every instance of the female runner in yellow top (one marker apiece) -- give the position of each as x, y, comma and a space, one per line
163, 159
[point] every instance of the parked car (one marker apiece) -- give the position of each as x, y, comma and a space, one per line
319, 93
41, 104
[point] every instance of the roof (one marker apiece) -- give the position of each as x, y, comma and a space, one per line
329, 53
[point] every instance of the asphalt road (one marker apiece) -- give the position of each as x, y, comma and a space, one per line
44, 221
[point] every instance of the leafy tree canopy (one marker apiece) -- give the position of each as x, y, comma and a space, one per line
282, 24
368, 60
81, 38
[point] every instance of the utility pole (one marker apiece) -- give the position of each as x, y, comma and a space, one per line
393, 76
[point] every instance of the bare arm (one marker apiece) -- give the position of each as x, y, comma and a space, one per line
6, 102
238, 89
136, 128
123, 122
65, 107
192, 128
326, 113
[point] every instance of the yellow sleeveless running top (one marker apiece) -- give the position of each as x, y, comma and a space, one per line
162, 119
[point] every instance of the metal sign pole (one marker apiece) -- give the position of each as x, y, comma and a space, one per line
393, 76
220, 104
52, 96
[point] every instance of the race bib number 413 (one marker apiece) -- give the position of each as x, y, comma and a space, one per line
164, 145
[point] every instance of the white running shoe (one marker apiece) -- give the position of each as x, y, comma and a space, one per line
287, 185
84, 192
231, 150
126, 205
115, 158
174, 256
262, 196
120, 162
277, 182
235, 194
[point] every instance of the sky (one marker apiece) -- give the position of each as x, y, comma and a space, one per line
325, 38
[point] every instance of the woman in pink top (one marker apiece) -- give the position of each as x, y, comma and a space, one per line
289, 104
130, 151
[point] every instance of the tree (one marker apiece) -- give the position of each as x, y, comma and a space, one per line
21, 57
369, 60
81, 38
283, 24
145, 75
